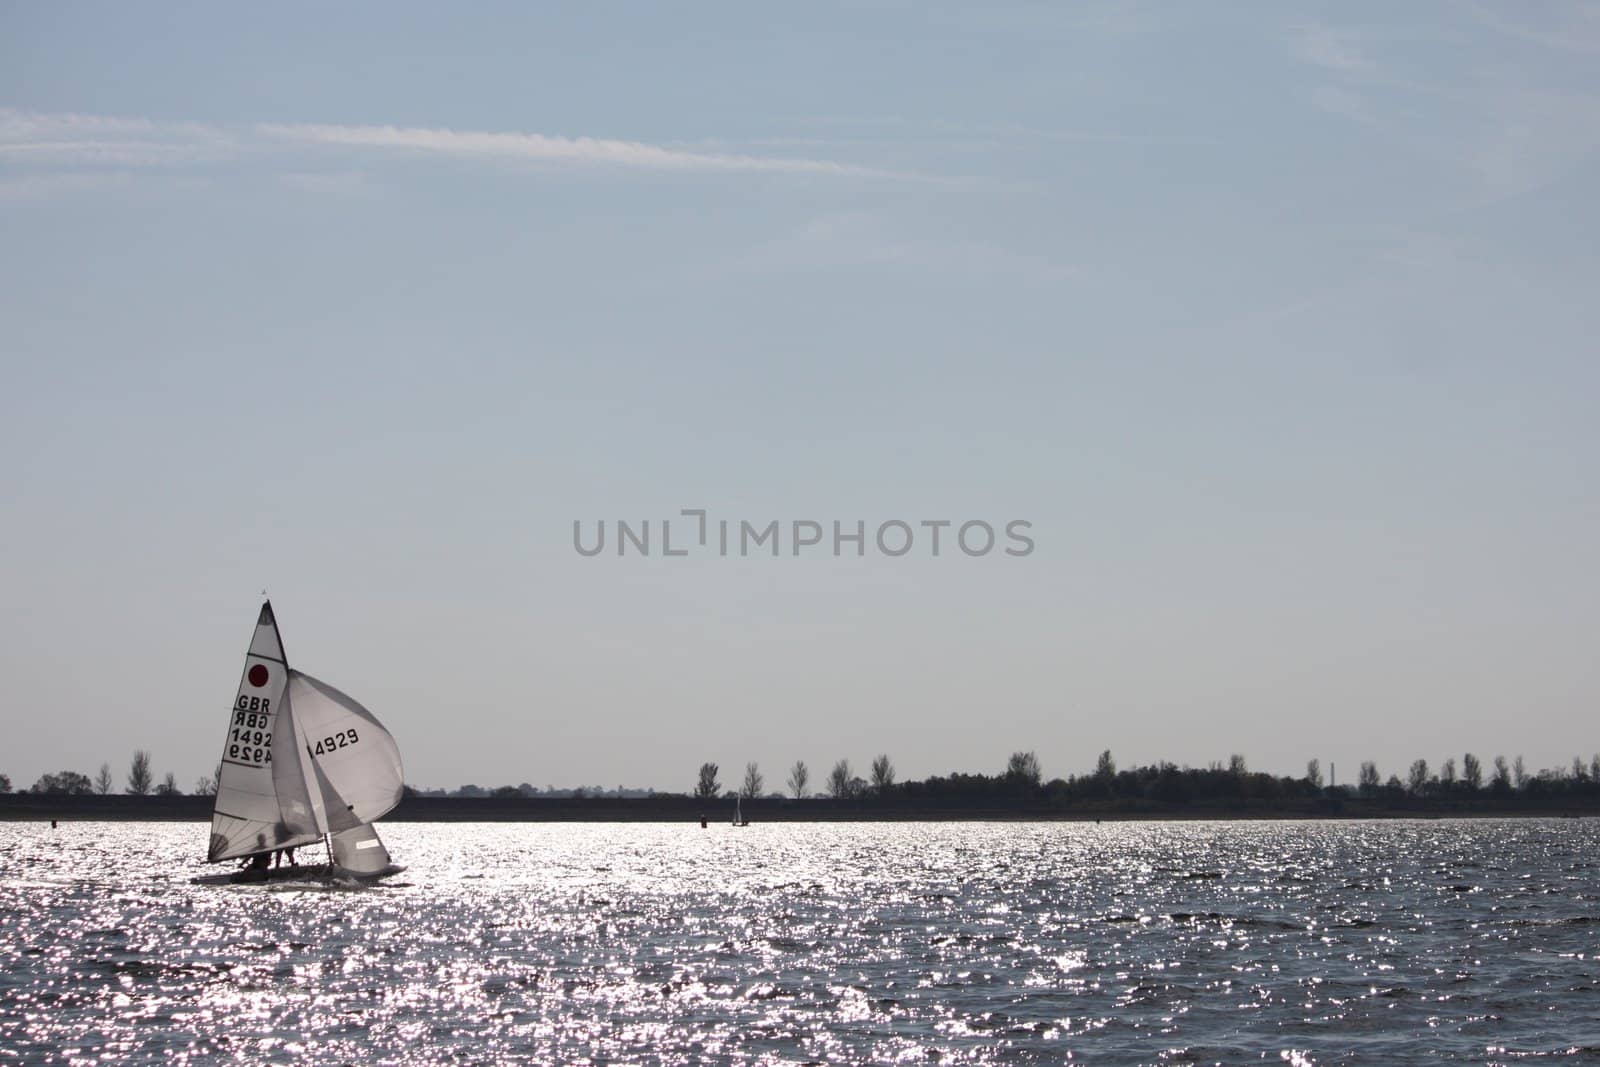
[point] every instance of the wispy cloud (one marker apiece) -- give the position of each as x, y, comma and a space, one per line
63, 142
1336, 100
66, 139
945, 132
1329, 48
1506, 124
1564, 27
1533, 137
558, 150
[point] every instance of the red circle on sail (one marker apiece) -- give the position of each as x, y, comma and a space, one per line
258, 676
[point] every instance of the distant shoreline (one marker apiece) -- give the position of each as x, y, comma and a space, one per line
28, 807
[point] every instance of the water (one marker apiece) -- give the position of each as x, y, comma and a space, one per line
1396, 942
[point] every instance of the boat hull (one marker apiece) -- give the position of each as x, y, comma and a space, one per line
307, 872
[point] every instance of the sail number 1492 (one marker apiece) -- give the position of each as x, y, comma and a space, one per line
250, 740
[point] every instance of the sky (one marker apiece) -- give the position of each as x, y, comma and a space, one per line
1275, 324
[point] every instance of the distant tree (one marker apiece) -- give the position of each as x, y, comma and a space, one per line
799, 775
1502, 775
753, 782
5, 783
882, 774
139, 776
1023, 768
1471, 772
839, 780
205, 787
1236, 766
707, 788
1418, 779
69, 782
1394, 785
103, 780
1314, 774
1519, 773
1447, 773
169, 786
1594, 767
1579, 771
1105, 768
470, 790
505, 792
1368, 781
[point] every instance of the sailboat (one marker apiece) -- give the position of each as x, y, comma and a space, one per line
302, 763
738, 813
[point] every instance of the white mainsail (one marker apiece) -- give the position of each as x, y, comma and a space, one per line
302, 761
246, 818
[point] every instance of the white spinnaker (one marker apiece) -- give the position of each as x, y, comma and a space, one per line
353, 761
359, 851
246, 816
307, 801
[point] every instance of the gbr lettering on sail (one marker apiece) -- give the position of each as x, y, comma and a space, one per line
250, 738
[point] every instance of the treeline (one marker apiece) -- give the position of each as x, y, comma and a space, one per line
527, 791
1471, 784
1220, 782
140, 782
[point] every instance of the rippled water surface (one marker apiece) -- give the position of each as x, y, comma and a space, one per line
1402, 942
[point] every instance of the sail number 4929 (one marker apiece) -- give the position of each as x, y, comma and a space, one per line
342, 739
250, 746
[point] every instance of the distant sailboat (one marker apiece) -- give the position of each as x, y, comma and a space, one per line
738, 814
302, 763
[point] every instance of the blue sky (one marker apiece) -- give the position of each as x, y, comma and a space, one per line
1276, 323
